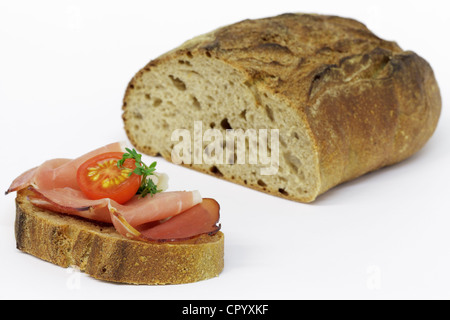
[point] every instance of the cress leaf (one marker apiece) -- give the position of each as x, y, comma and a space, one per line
147, 185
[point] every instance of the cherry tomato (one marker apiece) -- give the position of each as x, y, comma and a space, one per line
99, 177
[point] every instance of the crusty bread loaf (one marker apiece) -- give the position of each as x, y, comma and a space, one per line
98, 250
345, 101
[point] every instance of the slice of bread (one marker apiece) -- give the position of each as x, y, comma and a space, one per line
345, 102
98, 250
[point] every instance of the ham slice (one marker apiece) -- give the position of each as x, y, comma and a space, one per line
59, 173
199, 219
70, 201
202, 218
166, 216
22, 181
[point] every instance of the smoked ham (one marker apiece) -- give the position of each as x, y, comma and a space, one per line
165, 216
59, 173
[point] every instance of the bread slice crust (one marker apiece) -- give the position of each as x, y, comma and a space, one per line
98, 250
353, 102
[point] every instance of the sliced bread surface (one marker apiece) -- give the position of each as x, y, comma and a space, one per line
98, 250
345, 102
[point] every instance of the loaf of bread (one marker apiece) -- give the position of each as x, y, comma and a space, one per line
344, 101
98, 250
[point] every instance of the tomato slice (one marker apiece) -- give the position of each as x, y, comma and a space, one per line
99, 177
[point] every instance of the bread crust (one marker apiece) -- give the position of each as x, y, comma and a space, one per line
98, 250
366, 102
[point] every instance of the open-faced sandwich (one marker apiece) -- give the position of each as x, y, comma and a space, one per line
107, 213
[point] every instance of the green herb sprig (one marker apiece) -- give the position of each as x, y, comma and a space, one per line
147, 184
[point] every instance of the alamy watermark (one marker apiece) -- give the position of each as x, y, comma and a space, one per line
73, 281
263, 147
373, 277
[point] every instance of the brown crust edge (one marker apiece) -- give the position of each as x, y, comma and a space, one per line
99, 251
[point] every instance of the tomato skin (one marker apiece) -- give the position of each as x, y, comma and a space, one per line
99, 177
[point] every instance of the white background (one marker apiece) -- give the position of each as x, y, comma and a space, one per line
64, 66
